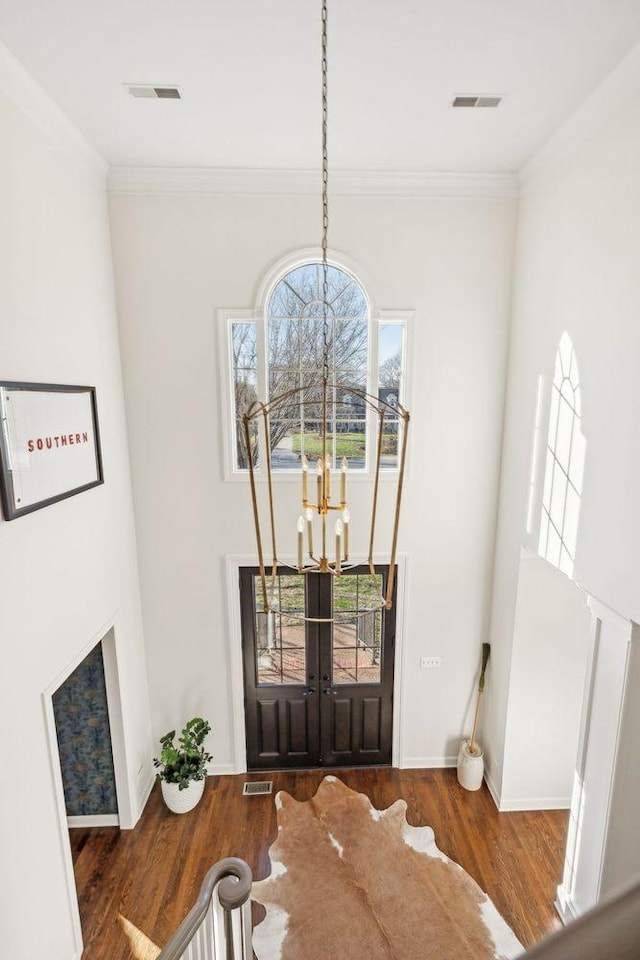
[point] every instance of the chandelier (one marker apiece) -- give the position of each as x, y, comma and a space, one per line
320, 549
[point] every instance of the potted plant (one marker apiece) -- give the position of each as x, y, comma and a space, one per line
183, 767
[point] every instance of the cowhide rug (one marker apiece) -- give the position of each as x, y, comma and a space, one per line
357, 883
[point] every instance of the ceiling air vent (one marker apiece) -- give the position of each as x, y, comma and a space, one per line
154, 93
476, 100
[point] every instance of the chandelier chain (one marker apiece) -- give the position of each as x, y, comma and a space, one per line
331, 553
325, 198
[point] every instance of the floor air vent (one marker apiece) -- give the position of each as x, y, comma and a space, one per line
257, 788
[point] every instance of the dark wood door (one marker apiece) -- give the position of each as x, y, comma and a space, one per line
316, 693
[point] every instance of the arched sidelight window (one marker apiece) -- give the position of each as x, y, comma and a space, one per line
564, 463
295, 340
283, 351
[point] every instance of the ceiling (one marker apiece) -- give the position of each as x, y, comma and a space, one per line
249, 75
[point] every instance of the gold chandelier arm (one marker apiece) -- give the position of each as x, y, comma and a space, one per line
256, 409
246, 420
374, 505
267, 444
396, 519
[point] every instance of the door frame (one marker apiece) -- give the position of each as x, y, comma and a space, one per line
233, 563
107, 636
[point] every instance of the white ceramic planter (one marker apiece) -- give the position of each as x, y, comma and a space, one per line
470, 767
181, 801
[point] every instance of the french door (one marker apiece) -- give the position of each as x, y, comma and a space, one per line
318, 694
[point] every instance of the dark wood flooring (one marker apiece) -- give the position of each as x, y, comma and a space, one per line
150, 876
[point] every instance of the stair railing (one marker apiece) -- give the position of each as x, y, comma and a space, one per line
218, 926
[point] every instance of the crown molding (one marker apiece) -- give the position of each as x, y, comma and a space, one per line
622, 83
363, 184
17, 84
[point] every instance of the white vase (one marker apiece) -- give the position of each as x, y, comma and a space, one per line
181, 801
470, 766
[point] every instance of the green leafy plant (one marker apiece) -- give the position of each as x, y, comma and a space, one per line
188, 760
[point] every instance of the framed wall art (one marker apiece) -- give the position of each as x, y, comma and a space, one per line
49, 444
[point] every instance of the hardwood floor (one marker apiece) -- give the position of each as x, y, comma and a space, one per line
150, 876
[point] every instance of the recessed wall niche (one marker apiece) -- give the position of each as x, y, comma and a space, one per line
84, 740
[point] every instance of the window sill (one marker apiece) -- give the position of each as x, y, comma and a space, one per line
295, 476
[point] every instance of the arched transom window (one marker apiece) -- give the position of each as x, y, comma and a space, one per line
564, 463
283, 352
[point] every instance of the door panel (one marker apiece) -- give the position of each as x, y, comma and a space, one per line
356, 661
282, 717
341, 726
318, 694
371, 724
356, 729
269, 727
298, 726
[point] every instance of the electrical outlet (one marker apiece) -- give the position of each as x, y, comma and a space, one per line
431, 663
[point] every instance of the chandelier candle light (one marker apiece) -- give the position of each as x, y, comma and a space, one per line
322, 506
317, 559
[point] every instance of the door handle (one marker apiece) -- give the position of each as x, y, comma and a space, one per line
330, 693
309, 692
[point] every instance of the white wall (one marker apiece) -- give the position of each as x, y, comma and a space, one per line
181, 256
70, 569
551, 641
577, 270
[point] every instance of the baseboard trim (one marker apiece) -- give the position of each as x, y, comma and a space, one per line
427, 763
535, 803
492, 790
143, 797
95, 820
219, 770
565, 907
524, 803
222, 770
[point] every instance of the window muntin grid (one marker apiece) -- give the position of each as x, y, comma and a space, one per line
244, 370
564, 464
357, 638
391, 352
356, 641
283, 350
295, 355
281, 638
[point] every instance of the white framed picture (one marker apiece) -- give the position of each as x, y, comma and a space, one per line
49, 444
